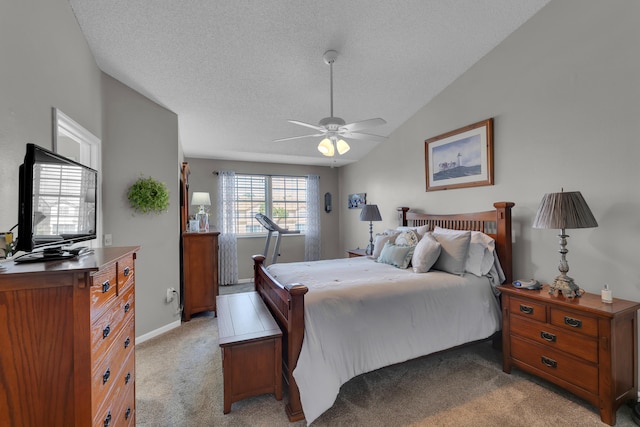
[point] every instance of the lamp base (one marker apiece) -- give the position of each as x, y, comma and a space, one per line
369, 250
565, 286
203, 222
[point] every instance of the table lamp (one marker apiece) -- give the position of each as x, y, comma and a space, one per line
561, 211
202, 199
370, 213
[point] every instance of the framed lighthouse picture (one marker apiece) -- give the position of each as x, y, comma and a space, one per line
460, 158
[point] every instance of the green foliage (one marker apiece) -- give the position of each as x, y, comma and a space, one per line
147, 195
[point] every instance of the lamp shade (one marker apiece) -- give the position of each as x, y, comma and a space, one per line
370, 213
564, 210
326, 147
200, 199
342, 146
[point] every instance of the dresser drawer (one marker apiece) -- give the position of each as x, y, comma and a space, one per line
574, 322
556, 364
103, 290
125, 271
546, 334
529, 309
111, 379
106, 327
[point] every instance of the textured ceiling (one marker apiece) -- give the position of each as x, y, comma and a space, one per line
235, 71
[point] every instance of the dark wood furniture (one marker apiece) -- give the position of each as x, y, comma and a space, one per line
67, 330
286, 302
356, 252
582, 344
200, 272
251, 344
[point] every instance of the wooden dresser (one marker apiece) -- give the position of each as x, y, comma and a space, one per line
582, 344
200, 272
67, 341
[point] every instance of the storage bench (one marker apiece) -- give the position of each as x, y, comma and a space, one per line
251, 346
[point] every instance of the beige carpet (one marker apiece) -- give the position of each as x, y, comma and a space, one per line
179, 383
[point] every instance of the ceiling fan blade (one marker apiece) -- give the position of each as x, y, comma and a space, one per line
367, 136
298, 137
364, 124
316, 127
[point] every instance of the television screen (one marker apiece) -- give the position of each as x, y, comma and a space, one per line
57, 201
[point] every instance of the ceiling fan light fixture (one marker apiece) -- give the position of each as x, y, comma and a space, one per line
326, 147
342, 146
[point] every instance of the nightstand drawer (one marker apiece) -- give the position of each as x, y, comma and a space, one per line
556, 364
574, 322
528, 309
545, 334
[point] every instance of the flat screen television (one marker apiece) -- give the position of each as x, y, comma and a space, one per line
57, 205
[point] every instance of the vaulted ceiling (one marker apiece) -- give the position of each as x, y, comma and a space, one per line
235, 71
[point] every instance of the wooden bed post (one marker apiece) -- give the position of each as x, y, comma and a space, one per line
504, 242
286, 303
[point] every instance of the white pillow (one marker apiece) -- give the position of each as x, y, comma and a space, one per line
378, 243
454, 249
481, 254
426, 254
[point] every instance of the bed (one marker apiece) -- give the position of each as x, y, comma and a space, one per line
317, 360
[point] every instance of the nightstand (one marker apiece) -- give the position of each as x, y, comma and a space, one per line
582, 344
356, 252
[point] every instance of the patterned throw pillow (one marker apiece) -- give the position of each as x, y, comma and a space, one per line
407, 238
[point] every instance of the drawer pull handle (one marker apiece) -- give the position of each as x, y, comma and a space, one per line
127, 342
106, 286
574, 323
107, 420
127, 307
127, 413
526, 309
105, 332
547, 336
106, 376
126, 271
549, 362
127, 378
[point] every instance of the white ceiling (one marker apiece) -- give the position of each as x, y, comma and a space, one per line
234, 71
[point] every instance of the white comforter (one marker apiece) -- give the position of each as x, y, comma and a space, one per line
361, 315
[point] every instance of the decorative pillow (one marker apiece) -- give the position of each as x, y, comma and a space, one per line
480, 257
407, 238
398, 256
426, 254
454, 249
378, 243
421, 230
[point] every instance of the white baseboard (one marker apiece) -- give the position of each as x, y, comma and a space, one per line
245, 280
156, 332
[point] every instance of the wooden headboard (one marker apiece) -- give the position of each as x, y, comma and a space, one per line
495, 223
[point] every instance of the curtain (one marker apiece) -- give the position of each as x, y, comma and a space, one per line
227, 242
312, 233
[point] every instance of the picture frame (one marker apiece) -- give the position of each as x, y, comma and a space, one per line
357, 200
460, 158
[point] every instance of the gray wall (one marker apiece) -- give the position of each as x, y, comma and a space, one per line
564, 90
291, 246
46, 63
141, 139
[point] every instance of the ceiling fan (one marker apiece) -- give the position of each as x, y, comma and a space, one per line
335, 128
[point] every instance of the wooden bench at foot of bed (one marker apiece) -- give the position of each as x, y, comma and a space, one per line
286, 302
251, 346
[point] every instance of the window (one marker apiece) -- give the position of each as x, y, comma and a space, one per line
281, 198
